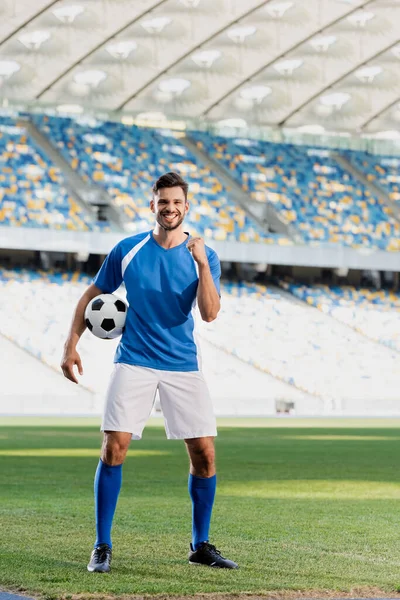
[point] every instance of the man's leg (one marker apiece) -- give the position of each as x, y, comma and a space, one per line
107, 482
107, 485
129, 400
202, 484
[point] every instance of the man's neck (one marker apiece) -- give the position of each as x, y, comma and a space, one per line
169, 239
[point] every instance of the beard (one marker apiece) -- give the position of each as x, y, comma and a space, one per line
170, 226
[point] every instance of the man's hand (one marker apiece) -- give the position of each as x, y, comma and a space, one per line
69, 360
197, 248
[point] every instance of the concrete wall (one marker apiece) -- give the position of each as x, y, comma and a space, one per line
101, 243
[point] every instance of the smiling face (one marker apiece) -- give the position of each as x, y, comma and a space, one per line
170, 207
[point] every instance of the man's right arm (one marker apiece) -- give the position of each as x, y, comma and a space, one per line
70, 356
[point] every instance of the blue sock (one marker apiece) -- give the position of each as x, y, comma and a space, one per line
202, 493
107, 484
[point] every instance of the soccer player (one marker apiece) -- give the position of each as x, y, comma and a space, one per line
166, 272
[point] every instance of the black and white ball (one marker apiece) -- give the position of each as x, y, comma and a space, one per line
105, 316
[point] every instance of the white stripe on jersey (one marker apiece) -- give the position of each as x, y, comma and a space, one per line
195, 316
196, 340
127, 259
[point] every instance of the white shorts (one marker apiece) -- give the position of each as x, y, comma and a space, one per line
184, 398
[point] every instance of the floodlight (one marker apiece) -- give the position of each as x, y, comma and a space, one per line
239, 34
91, 77
256, 93
287, 66
361, 17
190, 3
8, 68
34, 39
278, 9
335, 100
236, 123
151, 116
368, 74
206, 58
156, 25
323, 42
392, 134
68, 13
121, 49
175, 85
312, 129
69, 109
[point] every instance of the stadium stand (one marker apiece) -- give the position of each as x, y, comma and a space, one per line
43, 302
127, 160
307, 357
41, 390
309, 188
303, 347
374, 313
381, 170
306, 185
32, 190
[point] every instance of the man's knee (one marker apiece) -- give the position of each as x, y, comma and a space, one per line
202, 456
114, 448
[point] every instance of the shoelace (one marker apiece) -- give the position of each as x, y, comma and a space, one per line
213, 549
101, 554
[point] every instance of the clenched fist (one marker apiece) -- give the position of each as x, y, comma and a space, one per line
197, 248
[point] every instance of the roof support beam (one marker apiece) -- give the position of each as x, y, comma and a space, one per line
233, 89
27, 22
93, 50
188, 53
380, 112
336, 81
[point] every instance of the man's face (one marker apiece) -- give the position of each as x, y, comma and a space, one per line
170, 207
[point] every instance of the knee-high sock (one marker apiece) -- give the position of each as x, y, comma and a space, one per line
107, 484
202, 493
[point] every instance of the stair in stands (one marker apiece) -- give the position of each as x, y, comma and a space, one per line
375, 189
87, 195
264, 215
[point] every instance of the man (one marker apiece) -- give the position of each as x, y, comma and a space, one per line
165, 272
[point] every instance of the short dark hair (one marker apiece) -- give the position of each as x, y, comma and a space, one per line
169, 180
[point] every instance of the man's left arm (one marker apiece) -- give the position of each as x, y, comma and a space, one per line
207, 293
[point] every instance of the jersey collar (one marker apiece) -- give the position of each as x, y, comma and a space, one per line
152, 238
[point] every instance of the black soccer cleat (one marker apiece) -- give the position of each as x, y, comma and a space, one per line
207, 554
100, 560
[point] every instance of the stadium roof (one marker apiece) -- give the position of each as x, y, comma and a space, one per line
300, 63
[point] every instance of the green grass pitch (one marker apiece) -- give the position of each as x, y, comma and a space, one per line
301, 505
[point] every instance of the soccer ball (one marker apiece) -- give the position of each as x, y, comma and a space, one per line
105, 316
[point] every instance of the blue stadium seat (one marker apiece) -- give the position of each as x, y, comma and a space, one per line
32, 190
127, 160
308, 188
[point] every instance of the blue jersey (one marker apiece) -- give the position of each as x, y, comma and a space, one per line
161, 286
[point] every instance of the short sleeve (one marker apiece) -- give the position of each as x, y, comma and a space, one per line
109, 277
215, 268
